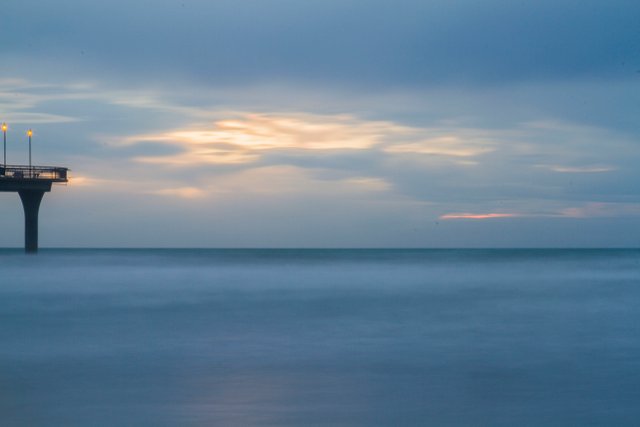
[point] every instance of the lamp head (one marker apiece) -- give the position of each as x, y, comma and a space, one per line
4, 127
29, 133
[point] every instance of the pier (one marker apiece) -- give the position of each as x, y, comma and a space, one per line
31, 182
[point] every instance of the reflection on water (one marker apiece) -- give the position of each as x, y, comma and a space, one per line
200, 338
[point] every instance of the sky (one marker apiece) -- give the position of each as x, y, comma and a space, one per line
332, 123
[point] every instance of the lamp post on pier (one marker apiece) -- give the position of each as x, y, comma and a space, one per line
4, 145
30, 134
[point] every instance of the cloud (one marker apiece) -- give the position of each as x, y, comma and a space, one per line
478, 215
182, 192
355, 42
588, 210
37, 118
368, 184
287, 180
248, 136
263, 182
86, 181
602, 210
449, 145
578, 169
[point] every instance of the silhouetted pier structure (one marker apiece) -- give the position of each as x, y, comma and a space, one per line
30, 182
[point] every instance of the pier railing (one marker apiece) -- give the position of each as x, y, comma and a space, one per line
48, 173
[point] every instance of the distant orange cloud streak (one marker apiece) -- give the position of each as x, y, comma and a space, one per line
478, 216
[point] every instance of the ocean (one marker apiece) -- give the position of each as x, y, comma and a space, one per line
320, 338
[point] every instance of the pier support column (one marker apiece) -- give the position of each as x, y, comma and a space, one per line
31, 203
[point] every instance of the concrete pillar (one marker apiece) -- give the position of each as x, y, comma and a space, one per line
31, 204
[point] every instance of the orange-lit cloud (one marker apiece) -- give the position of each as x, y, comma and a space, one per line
182, 192
588, 210
248, 136
369, 184
478, 215
84, 181
447, 145
245, 138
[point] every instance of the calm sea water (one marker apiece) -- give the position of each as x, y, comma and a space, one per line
320, 338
